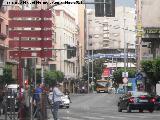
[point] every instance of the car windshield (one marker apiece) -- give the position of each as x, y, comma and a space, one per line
101, 84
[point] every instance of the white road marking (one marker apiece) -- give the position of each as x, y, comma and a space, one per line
115, 117
70, 118
93, 118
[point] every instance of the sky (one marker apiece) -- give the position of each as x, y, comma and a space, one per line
129, 3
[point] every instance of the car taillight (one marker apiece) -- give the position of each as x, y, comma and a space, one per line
152, 100
142, 97
131, 100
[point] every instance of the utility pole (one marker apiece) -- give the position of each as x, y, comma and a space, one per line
88, 51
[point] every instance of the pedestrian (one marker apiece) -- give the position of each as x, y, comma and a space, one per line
37, 100
56, 99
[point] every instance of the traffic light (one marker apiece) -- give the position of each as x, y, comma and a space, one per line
104, 8
26, 84
1, 3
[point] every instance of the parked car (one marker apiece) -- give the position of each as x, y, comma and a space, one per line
12, 97
136, 101
157, 102
65, 100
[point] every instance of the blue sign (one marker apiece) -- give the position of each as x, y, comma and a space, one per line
134, 84
139, 76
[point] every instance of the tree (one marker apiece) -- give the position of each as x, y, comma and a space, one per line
7, 75
97, 69
117, 75
152, 70
50, 77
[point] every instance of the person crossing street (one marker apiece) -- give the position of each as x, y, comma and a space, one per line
56, 99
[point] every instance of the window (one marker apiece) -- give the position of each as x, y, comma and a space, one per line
7, 30
0, 27
105, 28
90, 36
96, 36
106, 35
105, 45
52, 66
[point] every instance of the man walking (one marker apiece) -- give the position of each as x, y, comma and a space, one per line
56, 100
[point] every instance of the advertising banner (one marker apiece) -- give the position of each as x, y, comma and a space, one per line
106, 72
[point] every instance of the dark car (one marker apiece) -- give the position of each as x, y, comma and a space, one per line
136, 101
157, 103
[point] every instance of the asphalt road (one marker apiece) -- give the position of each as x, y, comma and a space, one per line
100, 106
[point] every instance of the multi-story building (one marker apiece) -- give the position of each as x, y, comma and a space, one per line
4, 39
65, 47
148, 27
82, 40
112, 34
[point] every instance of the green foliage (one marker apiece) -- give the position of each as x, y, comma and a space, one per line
97, 69
7, 75
152, 69
50, 77
117, 75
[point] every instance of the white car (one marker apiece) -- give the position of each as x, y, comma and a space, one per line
65, 100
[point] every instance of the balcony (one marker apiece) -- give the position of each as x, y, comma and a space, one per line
3, 36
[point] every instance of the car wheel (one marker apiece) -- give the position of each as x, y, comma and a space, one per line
151, 110
141, 111
128, 109
119, 108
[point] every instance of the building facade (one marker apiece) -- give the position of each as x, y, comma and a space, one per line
148, 27
114, 37
65, 47
108, 33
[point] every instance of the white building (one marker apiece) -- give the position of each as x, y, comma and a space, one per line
65, 47
108, 32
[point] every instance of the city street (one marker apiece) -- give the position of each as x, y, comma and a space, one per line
100, 107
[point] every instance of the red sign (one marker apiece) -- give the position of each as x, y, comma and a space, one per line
37, 44
29, 54
33, 33
30, 23
29, 33
106, 72
30, 13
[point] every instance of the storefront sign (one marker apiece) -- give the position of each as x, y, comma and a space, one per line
152, 31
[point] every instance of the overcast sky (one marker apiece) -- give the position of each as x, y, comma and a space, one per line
130, 3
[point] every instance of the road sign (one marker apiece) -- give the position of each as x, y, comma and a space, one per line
125, 74
125, 80
44, 34
92, 83
29, 54
33, 43
106, 72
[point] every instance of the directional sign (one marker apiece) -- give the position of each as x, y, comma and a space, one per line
31, 24
29, 54
125, 80
125, 74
